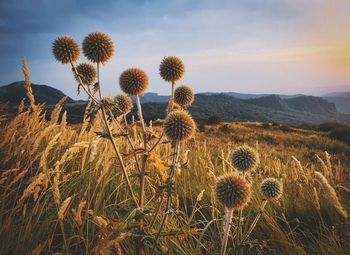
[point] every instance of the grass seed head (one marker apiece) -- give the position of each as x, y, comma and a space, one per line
98, 47
171, 69
65, 49
271, 188
133, 81
245, 158
123, 103
183, 96
179, 125
87, 73
233, 191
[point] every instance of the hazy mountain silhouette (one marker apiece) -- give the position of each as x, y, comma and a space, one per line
292, 110
16, 91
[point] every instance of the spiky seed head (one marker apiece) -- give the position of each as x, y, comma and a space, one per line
233, 191
183, 95
65, 49
133, 81
123, 103
98, 47
245, 158
179, 125
87, 73
271, 188
176, 107
171, 69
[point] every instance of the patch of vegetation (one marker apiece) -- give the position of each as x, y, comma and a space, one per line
341, 134
214, 120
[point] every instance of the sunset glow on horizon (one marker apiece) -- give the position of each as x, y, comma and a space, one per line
250, 46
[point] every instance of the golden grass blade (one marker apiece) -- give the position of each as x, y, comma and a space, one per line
28, 83
331, 194
63, 209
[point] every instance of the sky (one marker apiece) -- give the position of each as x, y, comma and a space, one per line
247, 46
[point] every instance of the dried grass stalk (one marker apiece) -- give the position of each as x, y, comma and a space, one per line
63, 209
28, 83
331, 194
77, 213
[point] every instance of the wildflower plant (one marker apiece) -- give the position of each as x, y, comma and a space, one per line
233, 190
179, 126
63, 188
118, 184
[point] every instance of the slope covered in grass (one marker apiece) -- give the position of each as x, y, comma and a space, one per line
62, 190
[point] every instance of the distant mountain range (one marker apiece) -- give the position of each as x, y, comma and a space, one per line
341, 100
284, 109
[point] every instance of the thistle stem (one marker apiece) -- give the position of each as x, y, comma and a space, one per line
127, 136
99, 81
110, 134
157, 211
172, 89
252, 226
228, 218
142, 173
157, 142
239, 227
169, 189
131, 143
139, 111
75, 71
239, 231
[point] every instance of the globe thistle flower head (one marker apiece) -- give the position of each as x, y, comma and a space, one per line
176, 107
133, 81
87, 73
271, 188
123, 103
66, 49
171, 69
233, 191
183, 96
179, 125
98, 47
245, 158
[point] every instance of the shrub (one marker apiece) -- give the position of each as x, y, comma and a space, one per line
328, 126
341, 134
284, 128
214, 120
266, 125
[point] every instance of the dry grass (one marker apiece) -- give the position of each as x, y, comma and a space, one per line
62, 190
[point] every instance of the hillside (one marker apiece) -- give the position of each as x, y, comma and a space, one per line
79, 161
16, 91
272, 101
291, 110
269, 109
342, 103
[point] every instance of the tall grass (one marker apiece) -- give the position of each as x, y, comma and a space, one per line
64, 188
61, 191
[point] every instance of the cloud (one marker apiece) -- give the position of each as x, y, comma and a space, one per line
226, 45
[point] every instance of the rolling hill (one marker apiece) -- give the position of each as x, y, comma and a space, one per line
291, 110
16, 91
265, 109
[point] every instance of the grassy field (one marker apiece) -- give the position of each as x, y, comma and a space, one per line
62, 190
